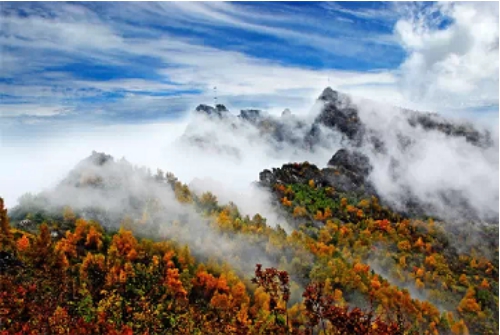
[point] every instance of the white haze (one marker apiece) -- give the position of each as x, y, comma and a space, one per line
155, 146
433, 163
230, 160
41, 162
168, 219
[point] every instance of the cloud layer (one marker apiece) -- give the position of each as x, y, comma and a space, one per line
72, 73
99, 63
455, 66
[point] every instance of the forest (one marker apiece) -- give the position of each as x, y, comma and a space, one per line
255, 168
349, 266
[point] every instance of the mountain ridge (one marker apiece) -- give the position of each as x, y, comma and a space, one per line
335, 236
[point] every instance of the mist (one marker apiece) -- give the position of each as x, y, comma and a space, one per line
115, 192
431, 166
47, 161
225, 156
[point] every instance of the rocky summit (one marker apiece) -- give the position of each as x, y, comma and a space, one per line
336, 235
341, 121
340, 113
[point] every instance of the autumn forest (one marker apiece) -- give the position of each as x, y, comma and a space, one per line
349, 266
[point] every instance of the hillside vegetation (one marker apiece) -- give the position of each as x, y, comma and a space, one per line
347, 265
398, 234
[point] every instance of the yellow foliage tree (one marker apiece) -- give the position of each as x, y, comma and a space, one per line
312, 184
469, 303
404, 245
286, 202
23, 243
299, 211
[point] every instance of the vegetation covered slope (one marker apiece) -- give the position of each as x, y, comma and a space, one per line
345, 251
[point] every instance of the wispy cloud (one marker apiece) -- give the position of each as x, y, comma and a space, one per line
103, 61
385, 13
453, 54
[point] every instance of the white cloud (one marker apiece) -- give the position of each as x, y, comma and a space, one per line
454, 67
450, 69
238, 76
57, 34
32, 110
383, 13
431, 164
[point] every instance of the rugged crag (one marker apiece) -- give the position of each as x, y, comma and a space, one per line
432, 121
340, 123
339, 113
219, 110
347, 172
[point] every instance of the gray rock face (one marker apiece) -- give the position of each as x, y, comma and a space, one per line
329, 95
219, 110
344, 175
251, 115
354, 162
339, 113
206, 109
430, 121
286, 113
348, 170
99, 158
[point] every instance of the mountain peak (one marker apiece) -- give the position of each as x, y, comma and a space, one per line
99, 158
251, 115
218, 110
221, 108
286, 113
329, 94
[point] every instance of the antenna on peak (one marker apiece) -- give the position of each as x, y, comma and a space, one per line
215, 95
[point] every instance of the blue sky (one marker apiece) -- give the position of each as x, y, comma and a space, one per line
122, 77
101, 62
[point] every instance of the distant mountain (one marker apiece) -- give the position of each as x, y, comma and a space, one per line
341, 114
366, 132
340, 122
360, 224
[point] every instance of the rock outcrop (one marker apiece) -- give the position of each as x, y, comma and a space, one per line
339, 113
432, 121
347, 172
251, 115
219, 110
340, 123
353, 162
